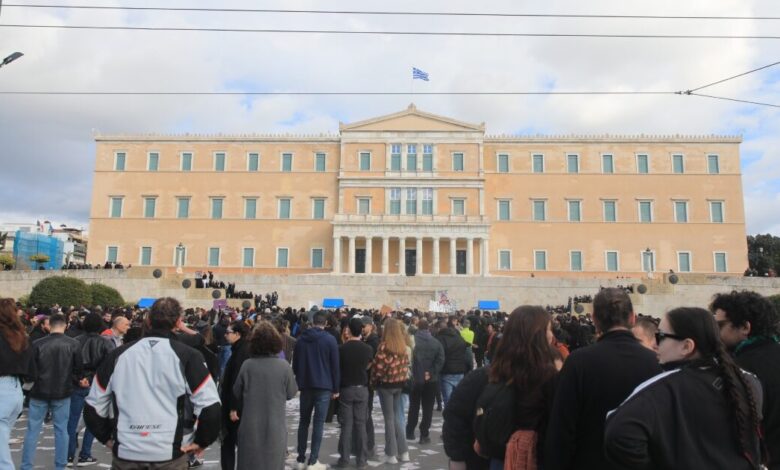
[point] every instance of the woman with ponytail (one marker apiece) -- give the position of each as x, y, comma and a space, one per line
15, 359
703, 412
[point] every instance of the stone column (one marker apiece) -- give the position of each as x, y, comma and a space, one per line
402, 256
453, 248
485, 257
436, 256
369, 255
385, 255
336, 255
419, 255
351, 255
470, 256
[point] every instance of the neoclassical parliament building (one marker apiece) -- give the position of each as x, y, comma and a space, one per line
413, 193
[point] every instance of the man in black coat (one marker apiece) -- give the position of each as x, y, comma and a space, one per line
455, 358
595, 380
237, 335
457, 433
427, 361
749, 328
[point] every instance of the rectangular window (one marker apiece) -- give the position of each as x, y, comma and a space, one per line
575, 260
411, 157
720, 262
364, 206
716, 212
680, 211
119, 161
540, 260
112, 254
648, 261
458, 207
154, 161
612, 261
411, 201
213, 256
538, 163
180, 256
457, 162
427, 201
505, 260
575, 213
116, 207
186, 161
713, 164
150, 206
250, 208
284, 208
645, 211
318, 209
252, 161
684, 262
503, 163
219, 161
319, 162
573, 163
395, 201
281, 257
287, 162
316, 257
678, 164
146, 255
607, 164
427, 157
642, 164
610, 211
249, 257
182, 207
395, 157
503, 210
216, 207
540, 210
365, 161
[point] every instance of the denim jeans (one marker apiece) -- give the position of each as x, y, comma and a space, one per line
76, 407
400, 412
224, 354
60, 411
448, 383
10, 406
317, 401
395, 437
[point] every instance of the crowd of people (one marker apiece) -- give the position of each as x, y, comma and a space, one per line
528, 389
72, 265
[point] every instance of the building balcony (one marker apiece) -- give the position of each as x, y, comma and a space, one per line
390, 219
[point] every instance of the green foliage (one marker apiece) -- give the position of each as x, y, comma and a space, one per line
24, 300
105, 296
7, 261
39, 258
60, 290
764, 254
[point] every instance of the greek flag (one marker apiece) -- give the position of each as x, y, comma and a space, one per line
419, 74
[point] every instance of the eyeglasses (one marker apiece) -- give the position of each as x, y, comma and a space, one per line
660, 336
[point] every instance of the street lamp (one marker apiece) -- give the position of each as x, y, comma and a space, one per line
11, 58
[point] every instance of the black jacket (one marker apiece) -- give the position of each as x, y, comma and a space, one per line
13, 363
457, 433
94, 348
762, 358
594, 380
454, 351
57, 365
239, 354
679, 419
428, 356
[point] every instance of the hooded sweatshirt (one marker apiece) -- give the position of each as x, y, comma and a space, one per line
316, 361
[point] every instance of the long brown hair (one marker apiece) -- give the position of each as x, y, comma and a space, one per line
393, 337
523, 356
11, 327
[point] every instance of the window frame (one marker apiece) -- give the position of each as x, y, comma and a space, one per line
722, 204
314, 202
676, 213
224, 161
117, 153
212, 199
604, 210
178, 206
149, 161
108, 250
462, 162
453, 201
533, 163
725, 261
246, 207
182, 159
653, 261
533, 210
391, 201
568, 210
639, 211
647, 163
499, 157
500, 260
154, 206
690, 261
416, 199
536, 267
568, 165
121, 200
282, 159
219, 256
243, 256
287, 256
359, 200
361, 154
682, 163
571, 261
141, 256
317, 156
249, 156
423, 200
617, 261
322, 257
508, 203
279, 208
611, 163
717, 164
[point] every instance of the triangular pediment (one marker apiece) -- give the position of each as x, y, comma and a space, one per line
412, 120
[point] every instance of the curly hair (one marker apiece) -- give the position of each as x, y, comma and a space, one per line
747, 306
265, 340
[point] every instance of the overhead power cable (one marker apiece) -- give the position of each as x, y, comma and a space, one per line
731, 78
758, 103
338, 93
391, 33
392, 13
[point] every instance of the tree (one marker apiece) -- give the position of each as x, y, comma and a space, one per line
764, 254
39, 259
7, 262
105, 296
60, 290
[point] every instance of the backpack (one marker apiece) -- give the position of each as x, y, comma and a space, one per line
494, 420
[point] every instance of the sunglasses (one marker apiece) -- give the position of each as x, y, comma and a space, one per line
660, 336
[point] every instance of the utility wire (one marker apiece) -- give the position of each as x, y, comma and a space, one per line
735, 100
688, 92
389, 33
395, 13
338, 93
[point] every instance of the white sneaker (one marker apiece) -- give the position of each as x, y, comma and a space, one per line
300, 465
317, 466
405, 457
390, 459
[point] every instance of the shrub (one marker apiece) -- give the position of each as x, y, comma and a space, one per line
7, 261
60, 290
775, 299
105, 296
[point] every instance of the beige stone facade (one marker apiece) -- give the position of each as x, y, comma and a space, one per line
419, 194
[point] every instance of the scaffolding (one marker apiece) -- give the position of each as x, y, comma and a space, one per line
29, 244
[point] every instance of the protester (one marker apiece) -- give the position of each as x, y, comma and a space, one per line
457, 433
58, 368
427, 362
704, 412
139, 394
594, 380
371, 338
749, 329
455, 358
236, 334
316, 367
644, 330
119, 327
263, 386
15, 364
389, 372
40, 329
